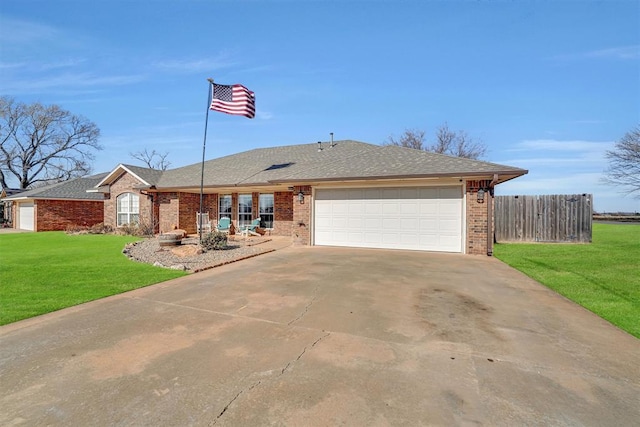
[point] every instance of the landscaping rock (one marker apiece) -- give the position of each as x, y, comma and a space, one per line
186, 250
149, 251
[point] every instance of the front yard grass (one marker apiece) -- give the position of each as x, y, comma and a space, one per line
44, 272
603, 277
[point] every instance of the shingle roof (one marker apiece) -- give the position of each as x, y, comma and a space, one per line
345, 160
151, 176
74, 189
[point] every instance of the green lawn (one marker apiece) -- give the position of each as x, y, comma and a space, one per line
603, 276
44, 272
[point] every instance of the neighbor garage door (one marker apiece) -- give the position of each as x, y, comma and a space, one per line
25, 212
419, 218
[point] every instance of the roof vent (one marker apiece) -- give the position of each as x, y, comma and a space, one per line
332, 143
319, 146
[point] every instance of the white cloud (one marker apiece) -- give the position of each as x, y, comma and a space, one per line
201, 65
605, 197
619, 52
20, 32
558, 145
624, 52
78, 82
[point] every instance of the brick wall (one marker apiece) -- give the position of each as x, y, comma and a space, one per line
179, 210
55, 215
301, 228
167, 211
189, 206
477, 218
283, 213
125, 184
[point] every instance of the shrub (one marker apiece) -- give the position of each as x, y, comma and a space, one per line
143, 229
76, 229
100, 228
214, 241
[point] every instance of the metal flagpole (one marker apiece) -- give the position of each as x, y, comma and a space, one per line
204, 144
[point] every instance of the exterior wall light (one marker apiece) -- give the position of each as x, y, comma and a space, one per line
481, 195
301, 197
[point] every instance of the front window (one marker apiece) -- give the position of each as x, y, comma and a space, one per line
245, 214
266, 211
128, 209
224, 206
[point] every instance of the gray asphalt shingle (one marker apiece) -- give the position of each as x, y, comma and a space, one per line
345, 160
74, 189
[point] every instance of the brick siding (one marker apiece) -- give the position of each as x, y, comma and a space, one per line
56, 215
283, 213
126, 184
301, 229
477, 222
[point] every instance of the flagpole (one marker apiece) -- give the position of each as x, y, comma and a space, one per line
204, 144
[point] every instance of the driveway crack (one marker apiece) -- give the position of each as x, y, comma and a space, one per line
304, 350
251, 387
308, 306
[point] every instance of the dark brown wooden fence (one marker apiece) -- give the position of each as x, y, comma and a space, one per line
552, 218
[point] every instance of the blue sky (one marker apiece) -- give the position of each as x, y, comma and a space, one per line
547, 86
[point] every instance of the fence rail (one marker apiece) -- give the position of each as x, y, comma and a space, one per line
549, 218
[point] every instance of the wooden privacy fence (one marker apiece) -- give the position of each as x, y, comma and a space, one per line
551, 218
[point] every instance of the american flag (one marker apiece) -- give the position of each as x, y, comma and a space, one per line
233, 99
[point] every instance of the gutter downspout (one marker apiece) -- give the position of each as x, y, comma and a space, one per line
490, 219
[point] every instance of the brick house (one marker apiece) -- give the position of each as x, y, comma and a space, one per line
58, 206
346, 193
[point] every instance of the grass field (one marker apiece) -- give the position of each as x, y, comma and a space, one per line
44, 272
603, 276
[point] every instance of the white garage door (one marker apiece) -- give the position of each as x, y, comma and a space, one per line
25, 212
420, 218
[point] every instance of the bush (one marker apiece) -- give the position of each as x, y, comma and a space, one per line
76, 229
100, 228
143, 229
214, 241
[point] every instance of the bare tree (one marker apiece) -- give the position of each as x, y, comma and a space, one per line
452, 143
41, 143
624, 163
153, 159
411, 138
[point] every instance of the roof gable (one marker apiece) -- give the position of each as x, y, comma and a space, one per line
147, 177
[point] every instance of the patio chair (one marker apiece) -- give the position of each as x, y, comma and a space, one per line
206, 222
251, 229
224, 225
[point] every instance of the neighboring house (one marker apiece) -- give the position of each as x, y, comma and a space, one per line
343, 194
58, 206
6, 207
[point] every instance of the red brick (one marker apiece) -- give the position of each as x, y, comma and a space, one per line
56, 215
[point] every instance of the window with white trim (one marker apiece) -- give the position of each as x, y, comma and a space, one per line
224, 206
266, 210
245, 210
128, 209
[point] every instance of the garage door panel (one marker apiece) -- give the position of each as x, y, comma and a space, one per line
424, 218
448, 225
409, 224
376, 223
356, 208
409, 207
26, 213
389, 209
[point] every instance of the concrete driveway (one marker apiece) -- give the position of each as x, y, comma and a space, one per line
325, 336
